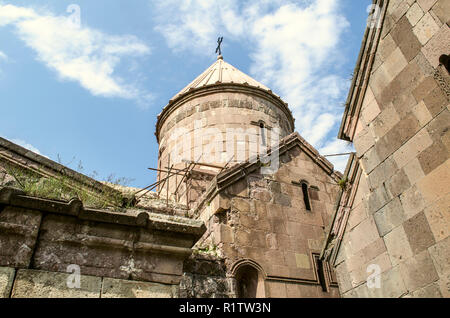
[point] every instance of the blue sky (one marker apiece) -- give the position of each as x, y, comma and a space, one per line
91, 92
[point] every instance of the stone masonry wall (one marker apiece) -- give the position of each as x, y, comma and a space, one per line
28, 283
203, 119
264, 219
204, 276
43, 242
400, 220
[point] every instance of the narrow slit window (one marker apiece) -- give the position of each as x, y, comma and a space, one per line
306, 196
320, 268
263, 135
445, 61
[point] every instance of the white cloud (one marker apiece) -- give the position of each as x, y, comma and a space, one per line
3, 58
26, 145
77, 53
10, 14
337, 147
294, 47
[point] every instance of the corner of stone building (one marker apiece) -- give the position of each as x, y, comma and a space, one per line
398, 218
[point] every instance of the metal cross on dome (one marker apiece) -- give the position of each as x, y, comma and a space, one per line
219, 42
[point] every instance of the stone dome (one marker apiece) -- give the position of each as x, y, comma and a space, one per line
221, 76
223, 116
221, 72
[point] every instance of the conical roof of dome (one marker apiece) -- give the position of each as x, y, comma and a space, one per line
221, 72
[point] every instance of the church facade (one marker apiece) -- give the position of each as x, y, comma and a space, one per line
264, 193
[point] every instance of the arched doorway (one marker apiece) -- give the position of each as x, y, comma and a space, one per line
249, 280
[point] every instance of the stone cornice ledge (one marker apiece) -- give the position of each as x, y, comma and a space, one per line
361, 76
342, 207
9, 152
222, 88
75, 208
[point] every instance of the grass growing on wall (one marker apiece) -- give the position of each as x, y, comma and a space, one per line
207, 250
61, 187
343, 183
